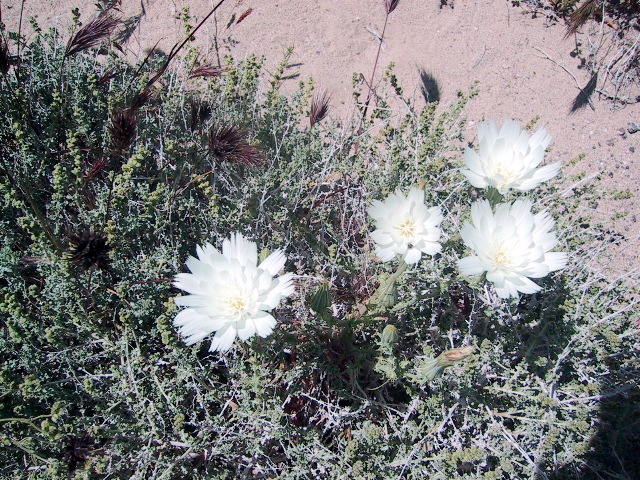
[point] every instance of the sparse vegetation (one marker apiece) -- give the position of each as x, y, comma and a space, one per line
607, 41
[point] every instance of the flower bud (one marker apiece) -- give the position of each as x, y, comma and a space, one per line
387, 294
448, 358
389, 336
432, 368
321, 300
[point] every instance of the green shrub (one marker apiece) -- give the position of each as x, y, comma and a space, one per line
107, 188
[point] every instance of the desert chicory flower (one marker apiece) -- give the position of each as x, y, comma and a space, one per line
511, 246
230, 293
509, 158
405, 226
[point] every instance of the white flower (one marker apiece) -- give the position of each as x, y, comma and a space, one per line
509, 158
230, 293
510, 246
405, 226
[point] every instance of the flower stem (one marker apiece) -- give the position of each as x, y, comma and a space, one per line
375, 66
494, 196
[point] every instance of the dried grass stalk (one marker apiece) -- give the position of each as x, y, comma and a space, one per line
207, 71
107, 76
109, 5
140, 99
91, 34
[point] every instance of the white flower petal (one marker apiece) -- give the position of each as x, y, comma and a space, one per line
193, 301
274, 262
241, 249
430, 248
230, 293
223, 339
556, 260
405, 226
414, 197
280, 288
386, 254
189, 283
511, 245
377, 209
196, 337
206, 252
246, 328
381, 237
472, 159
508, 159
264, 324
412, 256
540, 175
187, 316
470, 265
199, 268
540, 139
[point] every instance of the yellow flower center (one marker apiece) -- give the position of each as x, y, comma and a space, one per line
502, 258
407, 228
506, 173
237, 304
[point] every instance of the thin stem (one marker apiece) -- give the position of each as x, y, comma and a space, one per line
375, 66
177, 47
17, 69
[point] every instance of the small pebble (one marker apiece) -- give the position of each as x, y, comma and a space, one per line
633, 127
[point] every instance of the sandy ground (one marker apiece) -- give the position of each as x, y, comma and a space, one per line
522, 63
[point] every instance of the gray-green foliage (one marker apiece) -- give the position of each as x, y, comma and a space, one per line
94, 379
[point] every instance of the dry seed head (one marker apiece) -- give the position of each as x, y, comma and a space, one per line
200, 112
244, 15
122, 129
390, 5
460, 299
4, 57
227, 144
91, 34
89, 249
580, 16
96, 168
77, 450
140, 99
319, 107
